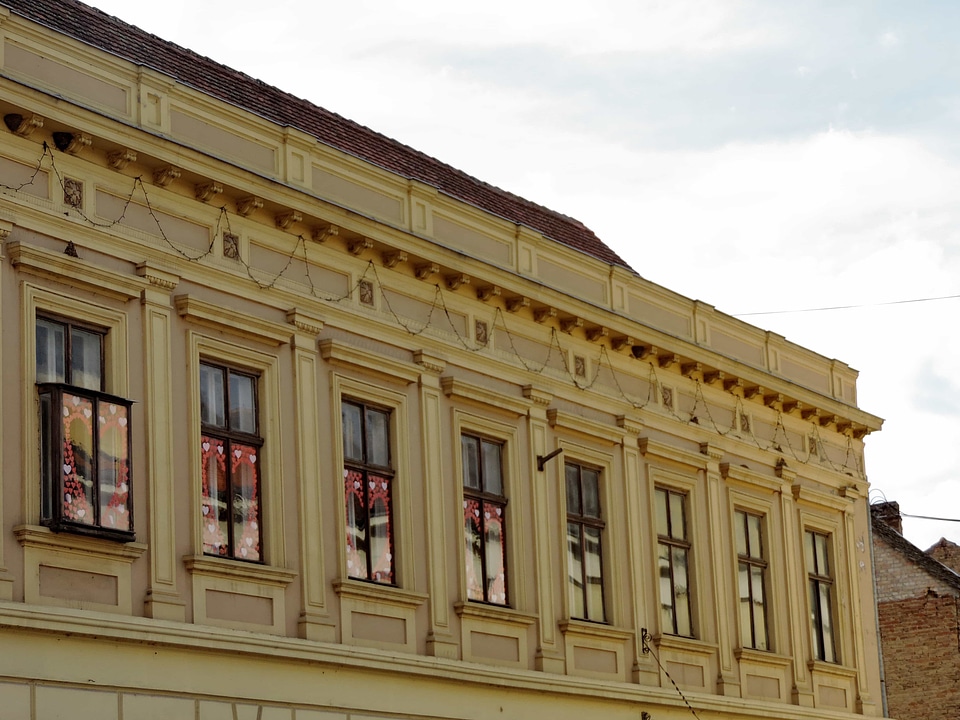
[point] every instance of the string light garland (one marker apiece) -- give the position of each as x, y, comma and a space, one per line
646, 648
498, 320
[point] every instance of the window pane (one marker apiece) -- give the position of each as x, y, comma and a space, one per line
590, 482
50, 351
243, 409
826, 623
378, 438
245, 502
575, 570
381, 551
356, 524
666, 588
746, 628
677, 528
593, 563
808, 552
212, 400
739, 523
681, 588
823, 566
492, 469
352, 432
753, 535
213, 475
78, 464
573, 489
470, 451
114, 470
85, 359
495, 556
473, 548
759, 608
49, 457
660, 501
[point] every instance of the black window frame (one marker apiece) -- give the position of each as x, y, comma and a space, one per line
56, 485
229, 435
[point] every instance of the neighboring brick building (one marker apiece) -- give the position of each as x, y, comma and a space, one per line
918, 602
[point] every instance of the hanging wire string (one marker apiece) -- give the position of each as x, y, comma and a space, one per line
700, 413
645, 644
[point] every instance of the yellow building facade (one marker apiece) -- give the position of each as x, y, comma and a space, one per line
298, 423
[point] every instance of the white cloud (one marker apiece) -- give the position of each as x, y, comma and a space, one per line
889, 39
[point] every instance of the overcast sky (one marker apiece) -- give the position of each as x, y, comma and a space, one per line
758, 156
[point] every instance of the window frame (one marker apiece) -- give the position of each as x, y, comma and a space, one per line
366, 468
585, 521
815, 583
682, 544
265, 366
753, 561
344, 387
38, 302
229, 435
482, 497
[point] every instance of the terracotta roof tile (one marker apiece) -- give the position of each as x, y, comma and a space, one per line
108, 33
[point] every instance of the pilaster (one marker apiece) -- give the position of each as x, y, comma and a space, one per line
315, 622
728, 683
163, 599
6, 579
550, 651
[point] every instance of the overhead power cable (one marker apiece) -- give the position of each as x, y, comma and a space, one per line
848, 307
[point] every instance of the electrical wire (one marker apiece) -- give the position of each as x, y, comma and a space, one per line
848, 307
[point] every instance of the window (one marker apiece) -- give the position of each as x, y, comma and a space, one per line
751, 572
584, 550
84, 434
673, 549
230, 445
817, 551
368, 485
484, 519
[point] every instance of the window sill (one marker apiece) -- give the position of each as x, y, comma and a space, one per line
237, 570
685, 644
388, 594
38, 536
822, 667
762, 657
594, 629
496, 613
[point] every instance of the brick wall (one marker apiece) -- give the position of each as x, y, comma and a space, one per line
947, 553
899, 579
921, 657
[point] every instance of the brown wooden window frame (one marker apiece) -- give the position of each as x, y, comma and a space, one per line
821, 582
359, 473
584, 524
489, 506
676, 544
755, 631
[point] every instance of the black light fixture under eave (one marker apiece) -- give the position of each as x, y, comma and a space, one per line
12, 121
62, 140
544, 459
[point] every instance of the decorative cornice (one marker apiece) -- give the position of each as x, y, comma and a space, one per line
711, 451
424, 271
285, 219
358, 245
487, 292
456, 280
119, 159
515, 304
249, 204
537, 396
156, 276
583, 426
633, 426
323, 233
165, 175
219, 318
569, 324
456, 388
392, 258
541, 315
342, 354
23, 125
430, 362
304, 322
74, 271
654, 448
622, 342
207, 191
